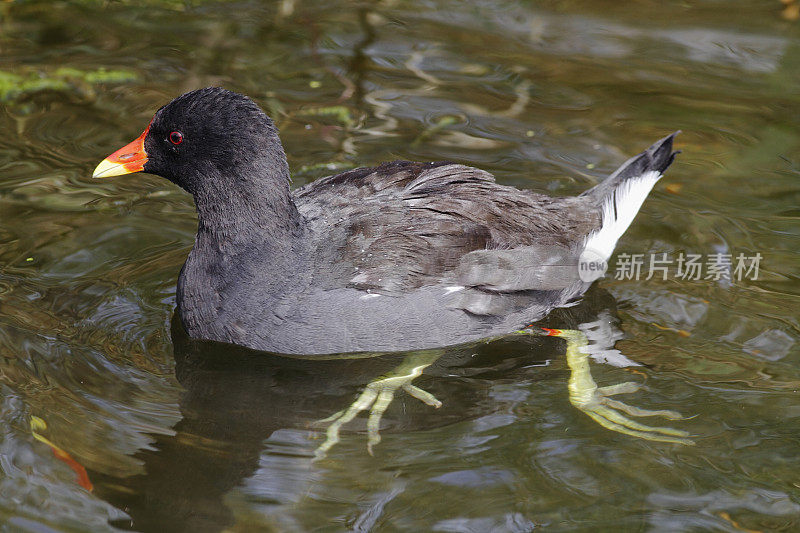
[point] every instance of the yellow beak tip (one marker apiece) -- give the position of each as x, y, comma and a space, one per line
107, 169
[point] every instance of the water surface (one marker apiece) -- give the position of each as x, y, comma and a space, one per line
552, 96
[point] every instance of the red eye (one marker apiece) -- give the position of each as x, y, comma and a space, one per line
176, 137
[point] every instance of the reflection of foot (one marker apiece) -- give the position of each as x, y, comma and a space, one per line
377, 396
596, 401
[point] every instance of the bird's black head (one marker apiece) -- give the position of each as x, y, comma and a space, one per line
204, 135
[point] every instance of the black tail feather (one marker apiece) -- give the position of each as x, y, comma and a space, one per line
658, 157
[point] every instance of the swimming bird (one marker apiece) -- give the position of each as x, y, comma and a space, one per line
401, 256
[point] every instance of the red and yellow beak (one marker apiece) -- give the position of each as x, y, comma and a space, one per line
128, 159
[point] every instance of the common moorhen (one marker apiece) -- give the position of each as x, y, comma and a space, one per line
400, 256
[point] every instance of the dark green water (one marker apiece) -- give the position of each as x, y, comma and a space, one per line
550, 95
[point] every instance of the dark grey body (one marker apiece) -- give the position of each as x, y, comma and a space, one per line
399, 257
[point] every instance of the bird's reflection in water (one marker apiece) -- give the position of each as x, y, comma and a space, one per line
235, 398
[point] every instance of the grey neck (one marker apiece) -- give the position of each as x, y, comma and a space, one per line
248, 215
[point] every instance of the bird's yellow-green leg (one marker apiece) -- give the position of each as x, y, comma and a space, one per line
377, 396
595, 401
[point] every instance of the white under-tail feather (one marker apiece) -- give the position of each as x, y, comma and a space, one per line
618, 211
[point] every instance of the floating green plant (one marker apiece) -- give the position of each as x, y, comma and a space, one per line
15, 85
338, 112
